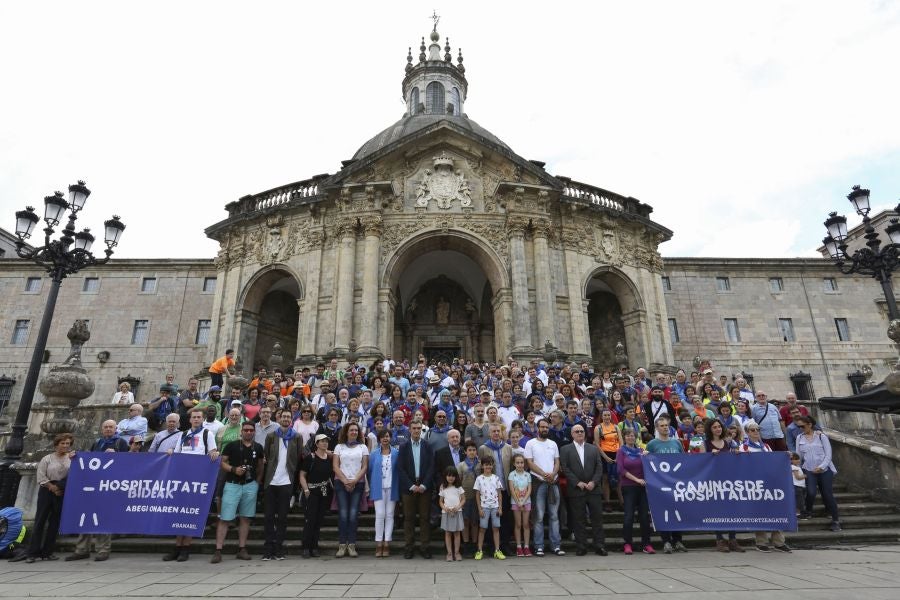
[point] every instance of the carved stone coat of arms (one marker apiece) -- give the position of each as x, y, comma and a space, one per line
444, 184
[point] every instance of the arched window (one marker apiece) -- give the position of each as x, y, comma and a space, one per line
454, 98
434, 99
414, 101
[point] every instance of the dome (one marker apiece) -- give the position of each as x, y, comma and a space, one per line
410, 125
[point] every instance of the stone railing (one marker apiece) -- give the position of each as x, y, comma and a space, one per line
589, 194
299, 191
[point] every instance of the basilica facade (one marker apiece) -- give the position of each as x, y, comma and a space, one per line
437, 239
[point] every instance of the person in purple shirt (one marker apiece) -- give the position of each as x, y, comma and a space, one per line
634, 491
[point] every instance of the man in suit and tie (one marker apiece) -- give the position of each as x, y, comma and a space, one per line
583, 468
416, 482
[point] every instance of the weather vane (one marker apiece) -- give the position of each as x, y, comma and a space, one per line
435, 18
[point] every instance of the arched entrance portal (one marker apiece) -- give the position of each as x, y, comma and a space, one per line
269, 314
444, 290
614, 315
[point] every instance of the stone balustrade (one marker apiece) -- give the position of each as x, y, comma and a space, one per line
294, 192
589, 194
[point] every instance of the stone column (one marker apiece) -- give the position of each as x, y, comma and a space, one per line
521, 315
309, 306
343, 314
545, 296
581, 348
368, 336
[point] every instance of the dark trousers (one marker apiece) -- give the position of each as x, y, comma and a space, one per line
46, 524
670, 537
216, 379
278, 499
413, 505
822, 482
635, 498
579, 503
316, 505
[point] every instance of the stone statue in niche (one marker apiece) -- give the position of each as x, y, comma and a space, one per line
442, 311
470, 309
444, 184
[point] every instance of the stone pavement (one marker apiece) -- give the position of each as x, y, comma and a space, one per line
871, 572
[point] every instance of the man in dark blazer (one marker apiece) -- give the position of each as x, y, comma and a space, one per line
449, 456
416, 483
282, 449
583, 468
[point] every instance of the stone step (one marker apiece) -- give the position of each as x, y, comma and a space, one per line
694, 540
296, 517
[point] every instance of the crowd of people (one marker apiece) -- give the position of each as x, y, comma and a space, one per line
504, 458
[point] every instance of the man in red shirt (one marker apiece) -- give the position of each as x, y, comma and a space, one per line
791, 402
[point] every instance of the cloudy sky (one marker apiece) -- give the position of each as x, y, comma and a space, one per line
742, 124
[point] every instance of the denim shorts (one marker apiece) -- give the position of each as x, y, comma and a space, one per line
490, 516
238, 501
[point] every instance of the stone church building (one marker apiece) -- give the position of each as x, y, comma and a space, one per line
436, 238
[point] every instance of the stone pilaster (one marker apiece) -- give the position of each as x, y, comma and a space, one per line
521, 317
309, 306
368, 336
577, 307
544, 294
343, 314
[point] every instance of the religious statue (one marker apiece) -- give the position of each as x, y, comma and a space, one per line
442, 311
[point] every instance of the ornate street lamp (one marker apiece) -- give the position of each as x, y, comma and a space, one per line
60, 257
874, 259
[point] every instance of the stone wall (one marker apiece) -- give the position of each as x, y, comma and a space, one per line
173, 311
699, 309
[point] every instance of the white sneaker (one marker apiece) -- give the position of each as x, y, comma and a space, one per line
341, 551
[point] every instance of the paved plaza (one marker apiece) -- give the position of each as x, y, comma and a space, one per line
871, 572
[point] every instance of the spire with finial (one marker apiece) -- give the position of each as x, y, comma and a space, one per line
459, 62
434, 85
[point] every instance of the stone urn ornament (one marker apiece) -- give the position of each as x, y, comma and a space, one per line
67, 384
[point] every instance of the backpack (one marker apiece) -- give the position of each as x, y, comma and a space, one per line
12, 530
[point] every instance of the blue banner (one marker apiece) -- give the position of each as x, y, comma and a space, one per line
145, 493
729, 492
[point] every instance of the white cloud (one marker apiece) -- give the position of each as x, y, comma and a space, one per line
725, 117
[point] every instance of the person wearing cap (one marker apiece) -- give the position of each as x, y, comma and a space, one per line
315, 482
135, 443
134, 424
434, 390
161, 407
221, 367
282, 448
659, 406
213, 398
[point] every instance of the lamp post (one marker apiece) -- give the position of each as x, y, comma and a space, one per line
873, 259
60, 257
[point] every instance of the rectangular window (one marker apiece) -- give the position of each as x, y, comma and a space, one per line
203, 326
33, 285
843, 330
209, 285
776, 285
91, 285
20, 332
6, 385
666, 283
732, 331
140, 332
830, 284
723, 284
148, 285
786, 327
673, 331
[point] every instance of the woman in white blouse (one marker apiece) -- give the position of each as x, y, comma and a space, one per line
351, 460
124, 395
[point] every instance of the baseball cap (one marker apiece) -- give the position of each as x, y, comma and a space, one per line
236, 402
321, 437
215, 388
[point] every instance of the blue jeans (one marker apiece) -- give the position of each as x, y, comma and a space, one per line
822, 482
546, 499
348, 510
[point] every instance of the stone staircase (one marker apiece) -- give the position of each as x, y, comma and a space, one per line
865, 520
